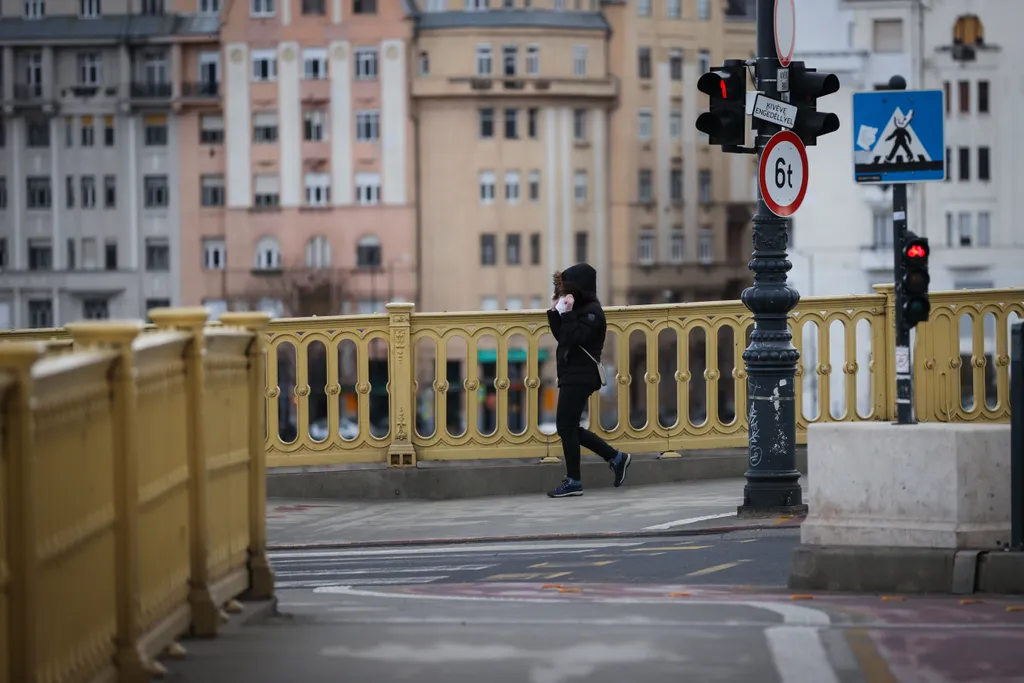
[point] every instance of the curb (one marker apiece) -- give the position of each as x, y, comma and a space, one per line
597, 535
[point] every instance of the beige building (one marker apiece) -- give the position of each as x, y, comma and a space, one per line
550, 134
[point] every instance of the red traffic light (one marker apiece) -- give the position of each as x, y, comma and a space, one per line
725, 91
917, 251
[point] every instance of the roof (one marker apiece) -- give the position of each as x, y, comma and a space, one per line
573, 21
131, 27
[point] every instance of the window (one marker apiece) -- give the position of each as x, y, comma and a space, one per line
511, 124
95, 308
153, 7
675, 124
40, 313
579, 61
88, 132
211, 129
150, 304
318, 252
703, 61
488, 250
676, 245
3, 202
40, 254
261, 8
488, 303
643, 8
533, 60
512, 187
368, 188
35, 9
644, 124
69, 192
983, 97
38, 192
949, 228
644, 62
266, 190
984, 172
580, 187
675, 65
215, 253
209, 6
38, 133
484, 64
108, 131
510, 60
579, 124
368, 252
534, 186
645, 190
364, 6
366, 64
703, 10
704, 183
89, 66
318, 189
514, 303
946, 95
88, 192
512, 252
264, 127
706, 246
965, 228
155, 132
313, 8
211, 190
965, 163
264, 65
949, 163
314, 60
486, 187
675, 185
673, 9
3, 134
486, 123
581, 247
984, 236
70, 255
888, 35
156, 191
109, 191
964, 93
158, 253
367, 126
882, 228
268, 254
535, 249
424, 64
90, 253
314, 125
645, 246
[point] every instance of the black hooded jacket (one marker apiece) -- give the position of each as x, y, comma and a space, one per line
583, 327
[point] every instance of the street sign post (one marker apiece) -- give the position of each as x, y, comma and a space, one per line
899, 138
783, 173
785, 31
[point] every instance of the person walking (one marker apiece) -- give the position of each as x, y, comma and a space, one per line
578, 324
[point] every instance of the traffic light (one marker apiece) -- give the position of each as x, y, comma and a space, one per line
805, 87
916, 306
725, 122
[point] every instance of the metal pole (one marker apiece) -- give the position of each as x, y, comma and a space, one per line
773, 482
1017, 437
904, 367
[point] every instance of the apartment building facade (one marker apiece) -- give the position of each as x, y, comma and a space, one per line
306, 204
90, 157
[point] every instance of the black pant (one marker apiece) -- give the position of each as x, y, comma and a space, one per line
571, 402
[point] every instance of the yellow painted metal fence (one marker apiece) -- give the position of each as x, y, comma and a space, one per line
132, 504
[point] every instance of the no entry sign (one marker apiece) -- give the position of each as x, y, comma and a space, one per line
782, 173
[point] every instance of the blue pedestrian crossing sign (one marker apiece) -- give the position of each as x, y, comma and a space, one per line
898, 136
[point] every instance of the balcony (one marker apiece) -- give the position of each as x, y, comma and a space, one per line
200, 90
33, 96
515, 86
148, 91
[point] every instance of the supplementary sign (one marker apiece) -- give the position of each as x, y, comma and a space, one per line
782, 173
898, 136
785, 30
774, 111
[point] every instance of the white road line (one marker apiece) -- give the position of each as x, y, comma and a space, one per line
799, 655
317, 557
340, 583
454, 549
387, 570
689, 520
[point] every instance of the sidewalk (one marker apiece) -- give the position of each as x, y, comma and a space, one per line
666, 509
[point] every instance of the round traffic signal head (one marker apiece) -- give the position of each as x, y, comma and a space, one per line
916, 282
917, 250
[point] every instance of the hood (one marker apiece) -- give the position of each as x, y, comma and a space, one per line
582, 276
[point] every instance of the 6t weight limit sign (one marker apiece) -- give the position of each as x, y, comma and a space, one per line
782, 175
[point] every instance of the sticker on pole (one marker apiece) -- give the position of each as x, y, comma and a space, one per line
785, 30
782, 173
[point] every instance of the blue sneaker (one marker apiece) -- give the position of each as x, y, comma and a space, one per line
619, 466
567, 488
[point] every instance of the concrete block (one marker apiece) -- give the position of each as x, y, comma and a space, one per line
929, 485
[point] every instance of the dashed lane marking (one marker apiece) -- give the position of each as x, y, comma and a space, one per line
527, 577
570, 565
717, 568
666, 548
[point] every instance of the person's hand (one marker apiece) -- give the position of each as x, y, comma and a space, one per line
569, 301
554, 301
561, 306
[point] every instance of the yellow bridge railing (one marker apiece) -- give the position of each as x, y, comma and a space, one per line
403, 386
132, 493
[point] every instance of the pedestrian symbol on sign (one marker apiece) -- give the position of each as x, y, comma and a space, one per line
902, 137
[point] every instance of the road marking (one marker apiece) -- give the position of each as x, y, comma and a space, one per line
872, 665
386, 581
571, 565
688, 520
663, 549
717, 568
749, 540
526, 577
799, 655
453, 549
386, 570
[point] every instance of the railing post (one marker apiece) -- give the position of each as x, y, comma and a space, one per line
1017, 437
205, 613
132, 665
887, 356
401, 452
261, 575
18, 358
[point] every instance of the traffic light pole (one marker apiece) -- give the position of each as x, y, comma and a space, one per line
773, 482
904, 376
